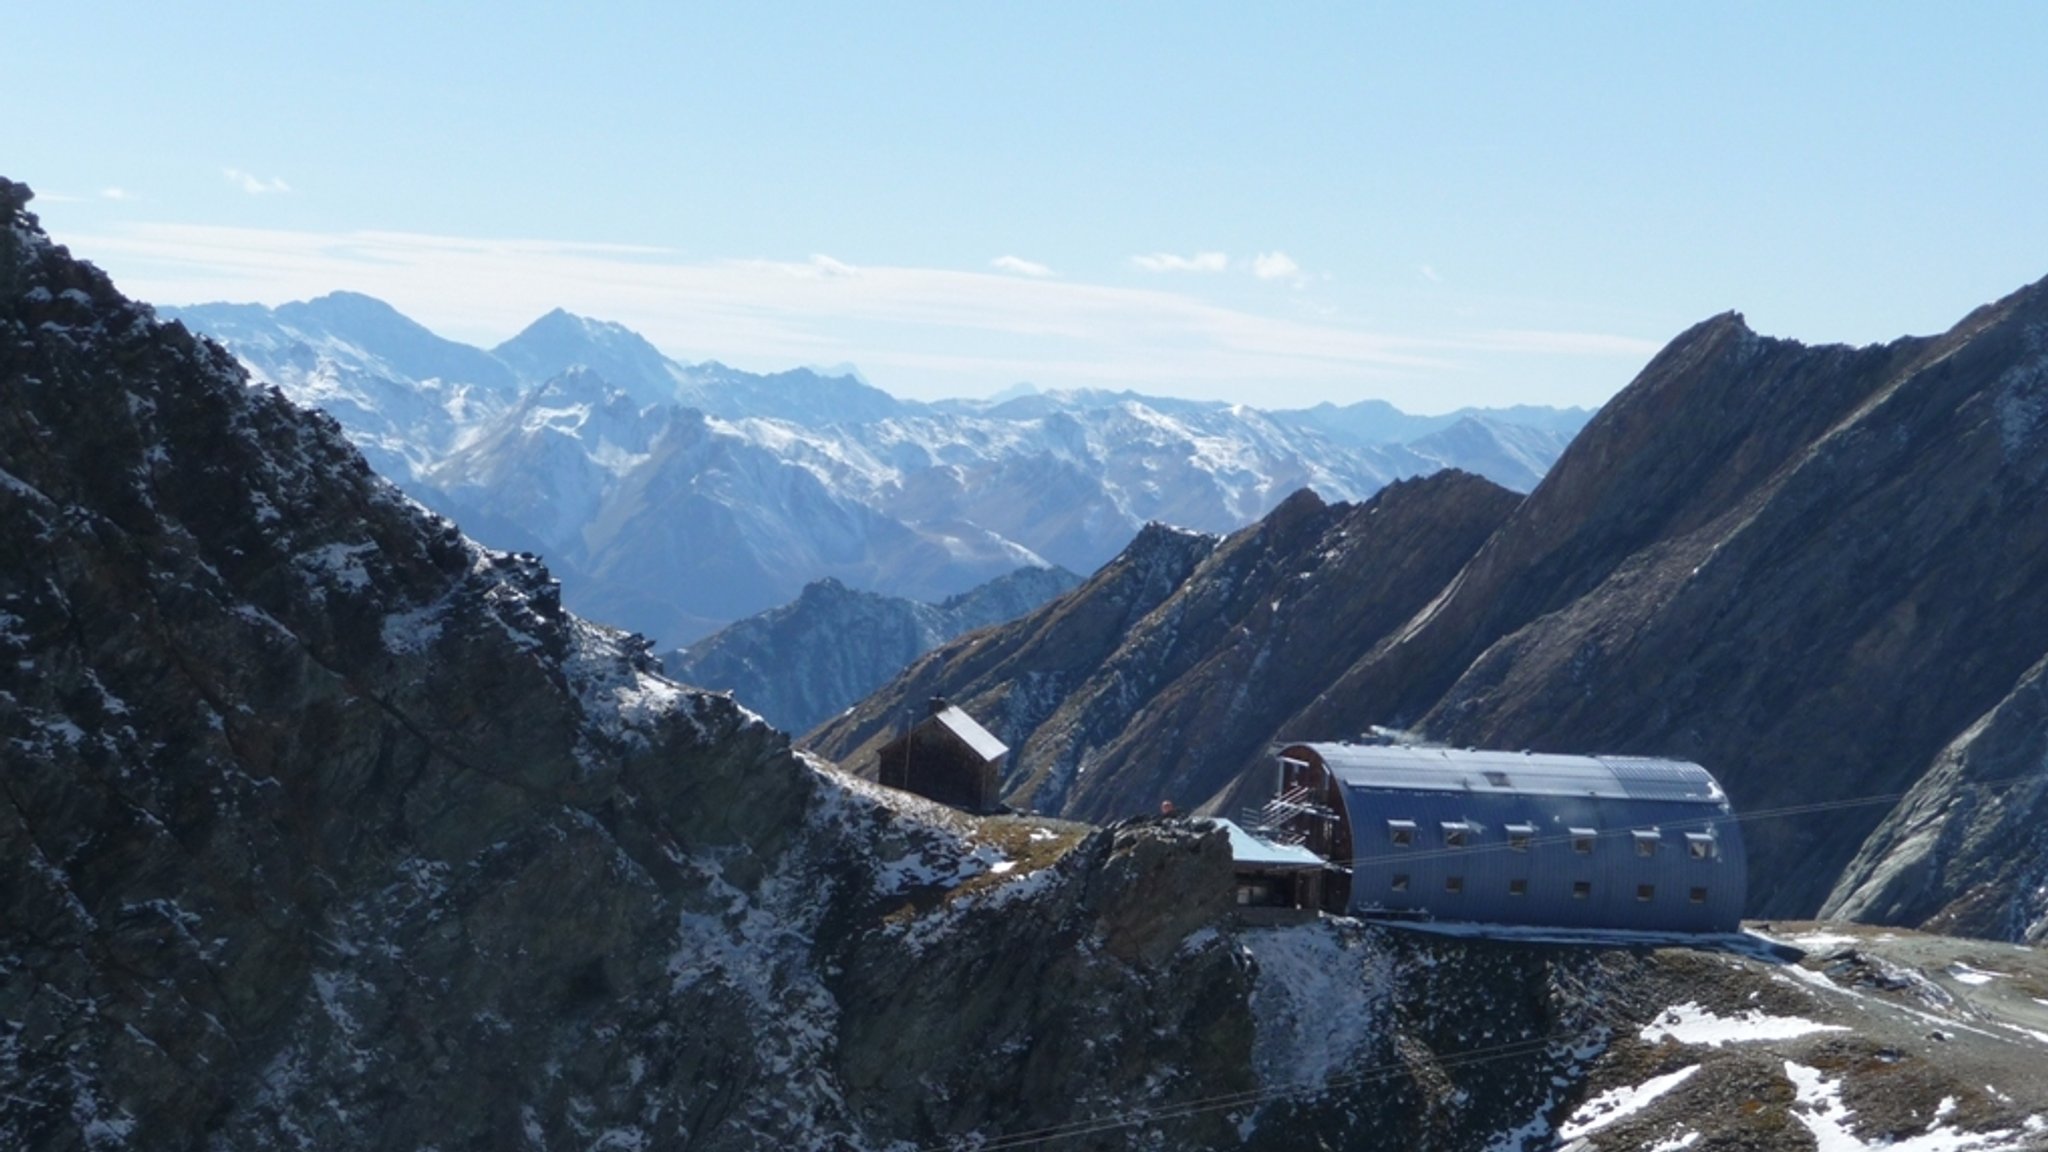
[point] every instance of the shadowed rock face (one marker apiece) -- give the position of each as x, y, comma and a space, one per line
1966, 852
1113, 699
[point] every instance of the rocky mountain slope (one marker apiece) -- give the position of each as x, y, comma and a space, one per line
831, 647
1166, 674
327, 827
1808, 568
1822, 572
674, 498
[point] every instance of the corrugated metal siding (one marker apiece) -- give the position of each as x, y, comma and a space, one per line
1479, 880
971, 733
1525, 773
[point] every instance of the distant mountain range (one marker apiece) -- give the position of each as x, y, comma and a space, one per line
1820, 571
675, 498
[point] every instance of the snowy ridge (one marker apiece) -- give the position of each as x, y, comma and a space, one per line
560, 439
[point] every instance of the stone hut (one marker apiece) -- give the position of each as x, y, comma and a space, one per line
946, 757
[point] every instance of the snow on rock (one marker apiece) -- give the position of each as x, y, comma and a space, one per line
1617, 1104
1964, 974
1819, 1107
1691, 1024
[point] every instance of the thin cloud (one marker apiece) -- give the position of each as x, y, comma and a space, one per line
254, 185
1168, 262
1020, 266
824, 265
1275, 266
1563, 343
116, 193
1430, 274
920, 331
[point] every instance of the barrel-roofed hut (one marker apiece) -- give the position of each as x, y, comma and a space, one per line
1518, 838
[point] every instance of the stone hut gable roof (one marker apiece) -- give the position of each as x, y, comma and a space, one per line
972, 734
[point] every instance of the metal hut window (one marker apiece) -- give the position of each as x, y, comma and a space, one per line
1520, 836
1401, 833
1646, 841
1699, 895
1582, 840
1454, 884
1399, 883
1646, 893
1701, 846
1518, 887
1582, 889
1457, 833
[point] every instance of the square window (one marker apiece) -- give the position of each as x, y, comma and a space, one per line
1646, 842
1518, 887
1582, 889
1582, 840
1699, 895
1400, 882
1646, 893
1454, 884
1700, 845
1520, 836
1457, 833
1401, 833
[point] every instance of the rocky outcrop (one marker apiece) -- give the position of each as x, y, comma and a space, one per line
1966, 851
1182, 697
822, 653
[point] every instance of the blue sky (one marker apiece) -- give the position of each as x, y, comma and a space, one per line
1276, 204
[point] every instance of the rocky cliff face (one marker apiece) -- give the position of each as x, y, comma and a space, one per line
815, 657
1966, 851
1183, 695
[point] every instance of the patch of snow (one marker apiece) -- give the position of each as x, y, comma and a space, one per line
1691, 1024
405, 633
340, 565
1964, 974
1617, 1104
1819, 1106
1814, 941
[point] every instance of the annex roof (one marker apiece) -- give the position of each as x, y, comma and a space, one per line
1245, 848
1421, 769
971, 733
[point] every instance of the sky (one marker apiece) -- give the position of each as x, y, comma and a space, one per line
1433, 204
